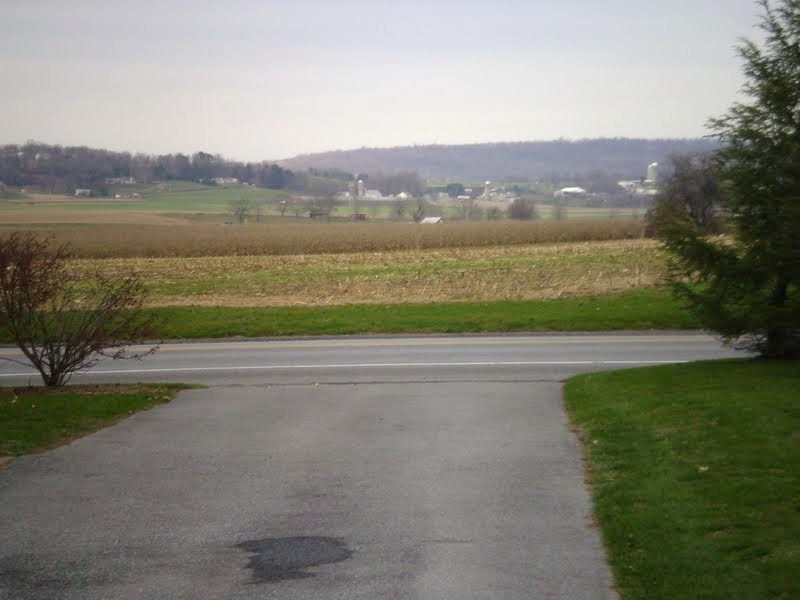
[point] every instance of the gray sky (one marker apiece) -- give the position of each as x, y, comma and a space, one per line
265, 79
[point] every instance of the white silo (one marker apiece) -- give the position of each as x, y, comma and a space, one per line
652, 172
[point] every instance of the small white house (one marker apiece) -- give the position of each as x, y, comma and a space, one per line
569, 191
83, 193
431, 221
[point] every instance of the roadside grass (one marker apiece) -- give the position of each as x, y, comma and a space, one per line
36, 418
695, 471
633, 310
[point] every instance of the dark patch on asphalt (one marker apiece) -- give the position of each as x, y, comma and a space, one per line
278, 559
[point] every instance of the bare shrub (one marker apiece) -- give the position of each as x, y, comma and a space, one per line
522, 209
60, 322
240, 208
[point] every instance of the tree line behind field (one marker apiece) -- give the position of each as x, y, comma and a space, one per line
55, 169
63, 169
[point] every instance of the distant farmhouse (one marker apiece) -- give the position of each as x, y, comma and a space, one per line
357, 191
84, 193
496, 194
569, 192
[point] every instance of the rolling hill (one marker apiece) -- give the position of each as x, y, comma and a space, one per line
507, 161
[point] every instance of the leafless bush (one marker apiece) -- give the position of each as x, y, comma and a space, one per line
63, 324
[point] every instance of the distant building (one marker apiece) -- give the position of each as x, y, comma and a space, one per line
120, 181
431, 221
225, 180
569, 191
652, 173
496, 194
373, 195
83, 193
355, 191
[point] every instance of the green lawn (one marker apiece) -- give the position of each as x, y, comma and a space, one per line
642, 309
635, 310
38, 418
696, 476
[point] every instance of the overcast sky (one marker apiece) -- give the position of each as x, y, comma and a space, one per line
270, 79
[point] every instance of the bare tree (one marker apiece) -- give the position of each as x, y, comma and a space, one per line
693, 190
522, 209
240, 208
418, 212
60, 322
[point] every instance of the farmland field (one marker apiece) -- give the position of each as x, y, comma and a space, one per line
165, 236
305, 237
181, 199
179, 202
520, 272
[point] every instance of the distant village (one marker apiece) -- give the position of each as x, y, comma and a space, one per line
88, 173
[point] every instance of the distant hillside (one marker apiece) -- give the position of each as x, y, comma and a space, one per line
507, 161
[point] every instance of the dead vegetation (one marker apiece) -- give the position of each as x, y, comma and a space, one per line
530, 271
291, 237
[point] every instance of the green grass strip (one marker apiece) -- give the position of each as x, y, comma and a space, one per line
695, 471
33, 419
635, 310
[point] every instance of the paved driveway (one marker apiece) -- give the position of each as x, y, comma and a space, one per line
458, 481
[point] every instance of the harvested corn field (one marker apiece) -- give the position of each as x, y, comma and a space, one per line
519, 272
294, 237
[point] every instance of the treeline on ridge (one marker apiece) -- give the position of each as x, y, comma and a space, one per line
56, 169
559, 160
62, 169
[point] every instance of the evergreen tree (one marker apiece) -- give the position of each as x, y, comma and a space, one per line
747, 287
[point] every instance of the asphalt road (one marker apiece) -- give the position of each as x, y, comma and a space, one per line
366, 359
432, 467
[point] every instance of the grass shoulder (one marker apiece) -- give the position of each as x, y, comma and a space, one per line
641, 309
695, 471
33, 419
